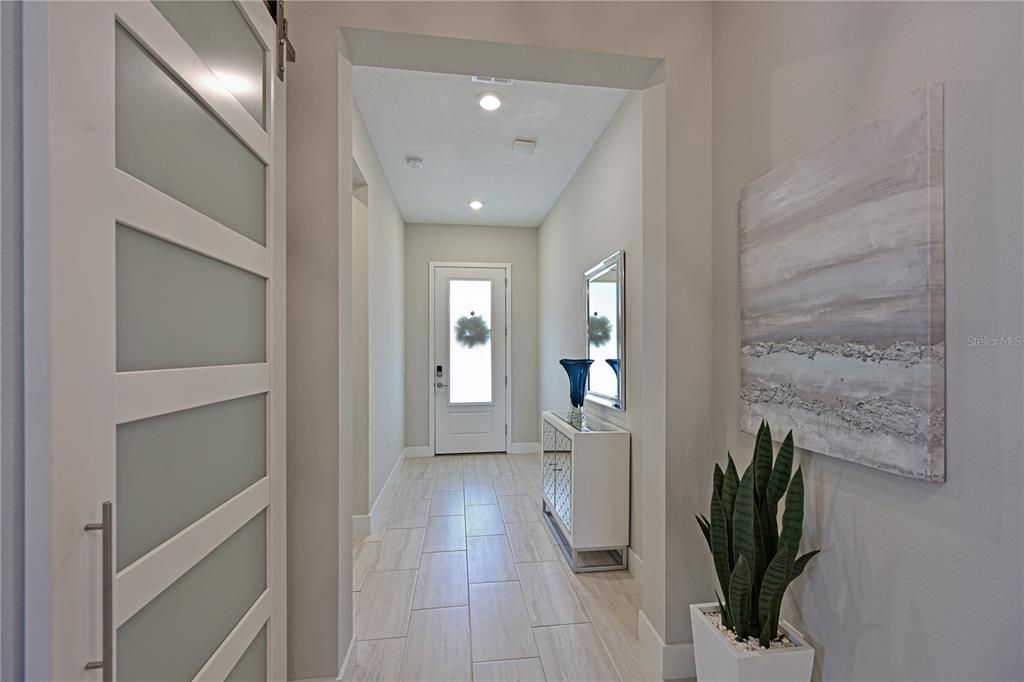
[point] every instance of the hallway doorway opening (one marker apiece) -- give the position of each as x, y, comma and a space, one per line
545, 184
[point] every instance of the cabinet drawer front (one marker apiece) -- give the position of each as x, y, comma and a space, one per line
555, 440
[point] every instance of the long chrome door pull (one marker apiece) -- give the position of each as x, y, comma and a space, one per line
106, 664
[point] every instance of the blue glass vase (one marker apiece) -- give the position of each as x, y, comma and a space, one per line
614, 364
578, 370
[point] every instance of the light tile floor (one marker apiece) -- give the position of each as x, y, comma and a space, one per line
466, 582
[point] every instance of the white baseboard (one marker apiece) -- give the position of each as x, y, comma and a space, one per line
376, 517
361, 524
671, 661
523, 448
635, 565
418, 451
348, 666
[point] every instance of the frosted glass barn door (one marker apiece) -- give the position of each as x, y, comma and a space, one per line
469, 372
159, 305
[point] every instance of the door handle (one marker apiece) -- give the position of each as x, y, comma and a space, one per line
440, 385
106, 664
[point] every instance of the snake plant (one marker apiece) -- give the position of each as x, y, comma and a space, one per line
756, 560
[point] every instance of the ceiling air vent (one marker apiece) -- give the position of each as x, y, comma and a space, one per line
489, 80
524, 145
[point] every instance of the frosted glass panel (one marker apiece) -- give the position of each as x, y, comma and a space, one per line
174, 469
470, 348
174, 635
222, 38
603, 318
252, 666
167, 139
177, 308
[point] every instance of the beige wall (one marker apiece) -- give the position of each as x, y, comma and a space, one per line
916, 581
471, 244
678, 381
383, 324
360, 356
600, 212
319, 353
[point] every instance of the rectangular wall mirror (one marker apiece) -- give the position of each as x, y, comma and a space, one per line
606, 330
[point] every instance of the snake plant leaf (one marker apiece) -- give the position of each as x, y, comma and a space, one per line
781, 472
776, 579
743, 516
719, 476
793, 515
767, 635
726, 621
762, 461
760, 562
720, 545
730, 484
801, 563
739, 598
768, 527
705, 527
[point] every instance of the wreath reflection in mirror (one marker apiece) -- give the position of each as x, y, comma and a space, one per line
471, 330
599, 330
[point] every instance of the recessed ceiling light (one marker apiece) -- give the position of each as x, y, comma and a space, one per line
488, 100
476, 205
414, 161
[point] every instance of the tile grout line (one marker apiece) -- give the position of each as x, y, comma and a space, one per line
533, 635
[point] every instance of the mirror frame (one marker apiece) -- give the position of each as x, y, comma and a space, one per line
616, 260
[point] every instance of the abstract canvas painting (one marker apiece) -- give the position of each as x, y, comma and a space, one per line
842, 294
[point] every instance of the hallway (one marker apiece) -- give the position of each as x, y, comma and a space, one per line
465, 582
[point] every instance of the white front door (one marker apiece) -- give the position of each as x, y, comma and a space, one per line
155, 415
469, 376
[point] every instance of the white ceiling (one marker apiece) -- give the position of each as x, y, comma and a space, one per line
467, 152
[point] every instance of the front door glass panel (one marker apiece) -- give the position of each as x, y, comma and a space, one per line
470, 347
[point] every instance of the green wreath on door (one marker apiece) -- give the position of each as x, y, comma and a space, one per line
471, 330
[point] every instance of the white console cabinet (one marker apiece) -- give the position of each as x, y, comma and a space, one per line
586, 491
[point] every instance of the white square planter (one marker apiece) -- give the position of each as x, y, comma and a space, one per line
719, 661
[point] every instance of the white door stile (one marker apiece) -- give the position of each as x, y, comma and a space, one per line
224, 659
275, 610
151, 574
73, 254
77, 348
276, 353
150, 393
144, 21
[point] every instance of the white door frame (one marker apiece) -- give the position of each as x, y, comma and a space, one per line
429, 375
70, 378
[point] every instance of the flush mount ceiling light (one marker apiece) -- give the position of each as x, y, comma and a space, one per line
414, 162
489, 100
476, 204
